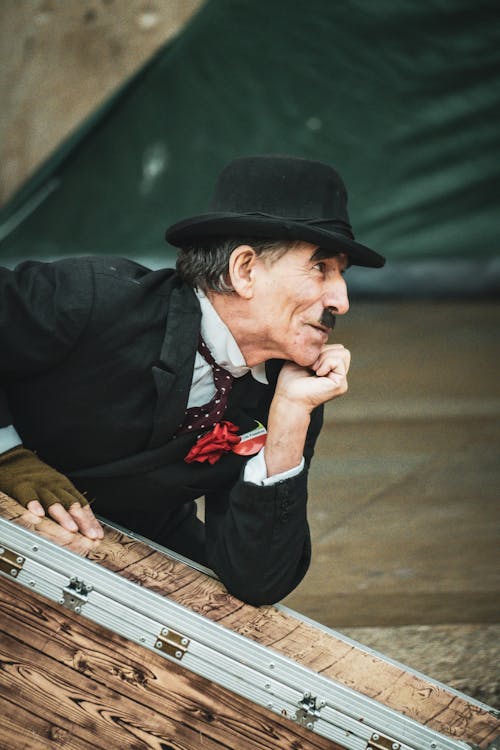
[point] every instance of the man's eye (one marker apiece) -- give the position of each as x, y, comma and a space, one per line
320, 266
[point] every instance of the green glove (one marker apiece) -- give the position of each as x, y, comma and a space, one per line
25, 478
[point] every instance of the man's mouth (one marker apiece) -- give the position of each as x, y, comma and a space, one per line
319, 327
323, 330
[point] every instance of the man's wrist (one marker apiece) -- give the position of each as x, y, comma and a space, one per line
286, 435
8, 438
255, 471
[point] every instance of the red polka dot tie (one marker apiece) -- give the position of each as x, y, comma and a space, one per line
202, 418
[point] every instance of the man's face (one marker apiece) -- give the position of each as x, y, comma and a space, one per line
296, 298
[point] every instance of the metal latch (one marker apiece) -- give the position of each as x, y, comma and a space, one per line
75, 594
10, 562
172, 643
379, 742
309, 710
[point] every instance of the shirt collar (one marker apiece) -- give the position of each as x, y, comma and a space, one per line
222, 344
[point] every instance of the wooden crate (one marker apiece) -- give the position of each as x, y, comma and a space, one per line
67, 682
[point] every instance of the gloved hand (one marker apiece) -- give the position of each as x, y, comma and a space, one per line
41, 488
25, 477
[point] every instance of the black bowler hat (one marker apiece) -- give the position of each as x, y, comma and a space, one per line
282, 198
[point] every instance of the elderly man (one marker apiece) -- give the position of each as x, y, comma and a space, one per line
142, 390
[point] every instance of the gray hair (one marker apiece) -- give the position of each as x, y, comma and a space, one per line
206, 265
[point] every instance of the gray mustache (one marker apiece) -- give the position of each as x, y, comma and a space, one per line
328, 319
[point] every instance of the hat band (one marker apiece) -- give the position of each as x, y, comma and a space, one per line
343, 227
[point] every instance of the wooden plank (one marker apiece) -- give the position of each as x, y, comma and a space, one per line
22, 729
91, 683
415, 696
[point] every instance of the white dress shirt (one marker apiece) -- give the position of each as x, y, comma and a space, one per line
227, 354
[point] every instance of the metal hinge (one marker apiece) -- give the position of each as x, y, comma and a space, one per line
172, 643
379, 742
10, 562
75, 594
309, 710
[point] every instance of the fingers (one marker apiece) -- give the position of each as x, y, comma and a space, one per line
334, 359
88, 524
78, 518
62, 517
26, 494
64, 507
34, 507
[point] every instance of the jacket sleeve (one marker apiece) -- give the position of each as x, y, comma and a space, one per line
44, 308
257, 538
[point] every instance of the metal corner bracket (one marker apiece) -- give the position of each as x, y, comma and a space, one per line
379, 742
309, 710
11, 562
172, 643
74, 595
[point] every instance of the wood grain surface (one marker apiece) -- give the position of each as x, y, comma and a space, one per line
68, 682
95, 675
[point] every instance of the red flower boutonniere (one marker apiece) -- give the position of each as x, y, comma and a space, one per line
222, 439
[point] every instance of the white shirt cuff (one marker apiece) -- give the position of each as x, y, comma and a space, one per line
256, 471
8, 438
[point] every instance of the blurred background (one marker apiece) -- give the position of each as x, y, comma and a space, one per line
116, 117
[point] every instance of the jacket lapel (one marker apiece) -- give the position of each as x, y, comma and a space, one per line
174, 372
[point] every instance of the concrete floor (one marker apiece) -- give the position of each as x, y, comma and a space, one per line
404, 492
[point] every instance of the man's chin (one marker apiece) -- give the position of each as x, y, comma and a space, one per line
307, 359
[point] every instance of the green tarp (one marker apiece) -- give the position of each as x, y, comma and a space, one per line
402, 96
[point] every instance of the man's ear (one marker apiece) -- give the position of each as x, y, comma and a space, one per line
242, 270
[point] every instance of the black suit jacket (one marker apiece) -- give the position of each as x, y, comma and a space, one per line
96, 367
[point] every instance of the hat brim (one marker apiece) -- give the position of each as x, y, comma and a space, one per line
187, 231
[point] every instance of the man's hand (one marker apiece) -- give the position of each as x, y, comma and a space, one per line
299, 390
41, 488
325, 380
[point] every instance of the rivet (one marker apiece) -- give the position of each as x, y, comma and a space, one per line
269, 705
2, 550
184, 641
142, 639
375, 737
158, 644
268, 686
13, 572
178, 654
32, 583
35, 548
395, 746
309, 725
19, 559
271, 666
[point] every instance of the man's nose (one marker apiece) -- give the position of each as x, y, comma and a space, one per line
336, 297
